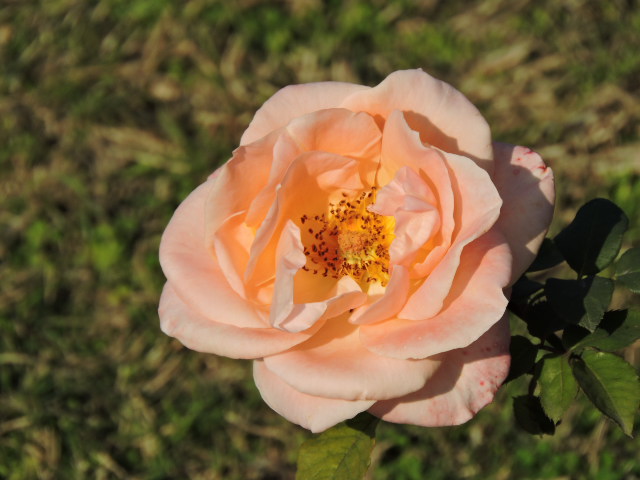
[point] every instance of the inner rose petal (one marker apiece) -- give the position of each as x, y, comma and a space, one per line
385, 306
413, 205
402, 147
307, 186
339, 131
231, 244
296, 317
477, 207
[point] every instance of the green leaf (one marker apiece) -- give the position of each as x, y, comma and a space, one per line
628, 269
531, 417
618, 329
523, 294
341, 453
523, 356
611, 384
573, 335
582, 302
558, 386
593, 239
548, 256
543, 320
524, 288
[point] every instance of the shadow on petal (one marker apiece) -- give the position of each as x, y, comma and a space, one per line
526, 186
465, 382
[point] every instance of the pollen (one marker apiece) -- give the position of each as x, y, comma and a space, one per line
348, 239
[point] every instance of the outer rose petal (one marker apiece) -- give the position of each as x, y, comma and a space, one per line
466, 381
313, 413
204, 335
527, 189
335, 364
295, 101
443, 116
475, 303
193, 271
237, 182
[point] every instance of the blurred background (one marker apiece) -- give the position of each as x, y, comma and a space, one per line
112, 111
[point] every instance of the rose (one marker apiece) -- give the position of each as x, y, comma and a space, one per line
358, 245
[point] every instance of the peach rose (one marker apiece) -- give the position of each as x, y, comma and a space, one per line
358, 246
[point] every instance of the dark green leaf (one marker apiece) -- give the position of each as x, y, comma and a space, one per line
592, 240
582, 302
628, 269
573, 335
541, 319
531, 417
523, 356
524, 288
341, 453
548, 256
618, 329
558, 387
611, 384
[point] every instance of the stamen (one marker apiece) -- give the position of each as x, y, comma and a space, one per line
350, 240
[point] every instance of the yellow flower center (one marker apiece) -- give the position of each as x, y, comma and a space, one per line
349, 240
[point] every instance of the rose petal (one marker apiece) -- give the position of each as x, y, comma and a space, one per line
335, 364
231, 243
389, 304
191, 268
304, 189
477, 207
441, 114
339, 131
290, 258
475, 303
527, 189
466, 381
239, 181
295, 101
401, 147
409, 199
197, 332
285, 151
295, 317
313, 413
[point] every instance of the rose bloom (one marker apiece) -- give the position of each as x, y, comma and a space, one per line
359, 246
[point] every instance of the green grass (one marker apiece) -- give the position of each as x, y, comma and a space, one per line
112, 111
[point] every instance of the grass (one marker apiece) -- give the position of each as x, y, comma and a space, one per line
112, 111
